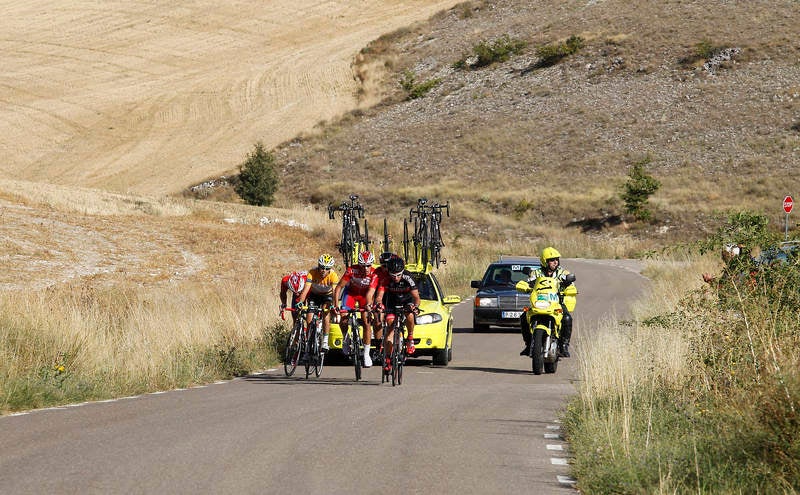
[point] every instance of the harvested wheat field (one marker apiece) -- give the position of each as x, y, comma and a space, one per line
108, 107
146, 97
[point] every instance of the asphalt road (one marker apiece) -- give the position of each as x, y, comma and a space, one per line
482, 425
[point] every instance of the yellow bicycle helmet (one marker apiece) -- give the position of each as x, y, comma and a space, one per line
549, 253
325, 261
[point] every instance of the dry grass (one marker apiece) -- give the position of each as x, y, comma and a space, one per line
123, 300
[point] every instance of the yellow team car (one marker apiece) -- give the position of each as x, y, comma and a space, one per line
433, 332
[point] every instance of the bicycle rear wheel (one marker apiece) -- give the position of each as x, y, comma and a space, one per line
293, 348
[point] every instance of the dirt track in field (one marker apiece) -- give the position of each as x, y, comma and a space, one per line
148, 97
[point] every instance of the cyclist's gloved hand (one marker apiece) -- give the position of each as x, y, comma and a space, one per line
299, 305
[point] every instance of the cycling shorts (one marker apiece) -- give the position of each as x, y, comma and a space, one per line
350, 300
319, 300
396, 300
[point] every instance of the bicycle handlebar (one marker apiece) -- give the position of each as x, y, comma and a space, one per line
424, 209
353, 205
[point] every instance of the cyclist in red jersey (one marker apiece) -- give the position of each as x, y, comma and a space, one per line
400, 290
358, 286
382, 271
294, 283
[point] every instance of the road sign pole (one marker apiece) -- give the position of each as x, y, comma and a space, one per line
786, 232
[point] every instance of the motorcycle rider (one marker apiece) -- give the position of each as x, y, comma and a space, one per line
551, 267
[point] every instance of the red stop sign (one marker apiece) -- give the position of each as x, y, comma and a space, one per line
788, 204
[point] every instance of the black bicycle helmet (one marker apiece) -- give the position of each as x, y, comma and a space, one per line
395, 265
384, 257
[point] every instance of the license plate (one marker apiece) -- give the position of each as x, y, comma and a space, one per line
511, 314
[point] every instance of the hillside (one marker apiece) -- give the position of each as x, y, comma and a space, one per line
706, 93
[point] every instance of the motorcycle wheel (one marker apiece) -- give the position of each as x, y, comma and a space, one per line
551, 367
537, 351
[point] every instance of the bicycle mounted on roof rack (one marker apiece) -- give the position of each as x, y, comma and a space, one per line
427, 237
352, 241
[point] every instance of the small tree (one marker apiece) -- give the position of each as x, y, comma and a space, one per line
257, 178
638, 189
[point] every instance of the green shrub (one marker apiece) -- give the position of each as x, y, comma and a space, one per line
416, 90
638, 189
553, 53
705, 50
487, 53
257, 178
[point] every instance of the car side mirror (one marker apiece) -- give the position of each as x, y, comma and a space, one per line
475, 284
569, 278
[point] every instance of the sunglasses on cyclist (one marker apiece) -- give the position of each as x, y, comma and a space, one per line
552, 259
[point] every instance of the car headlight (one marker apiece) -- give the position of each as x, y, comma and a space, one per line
428, 318
486, 302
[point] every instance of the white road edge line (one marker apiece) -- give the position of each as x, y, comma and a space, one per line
566, 480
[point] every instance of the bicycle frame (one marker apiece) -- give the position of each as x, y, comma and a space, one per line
310, 336
352, 241
356, 342
398, 355
427, 236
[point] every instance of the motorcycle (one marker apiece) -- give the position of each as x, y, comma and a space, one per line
544, 316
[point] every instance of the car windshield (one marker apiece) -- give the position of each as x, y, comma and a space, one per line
507, 274
425, 286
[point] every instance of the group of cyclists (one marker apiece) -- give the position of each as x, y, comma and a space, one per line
386, 289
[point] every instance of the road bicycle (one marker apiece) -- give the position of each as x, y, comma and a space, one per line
304, 343
352, 241
353, 345
427, 236
397, 358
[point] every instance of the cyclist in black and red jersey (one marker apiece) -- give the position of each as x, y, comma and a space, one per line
382, 272
358, 286
400, 290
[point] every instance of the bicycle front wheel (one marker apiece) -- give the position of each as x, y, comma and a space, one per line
310, 348
397, 342
319, 356
293, 349
357, 348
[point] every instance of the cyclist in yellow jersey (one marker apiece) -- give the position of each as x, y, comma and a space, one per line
319, 291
